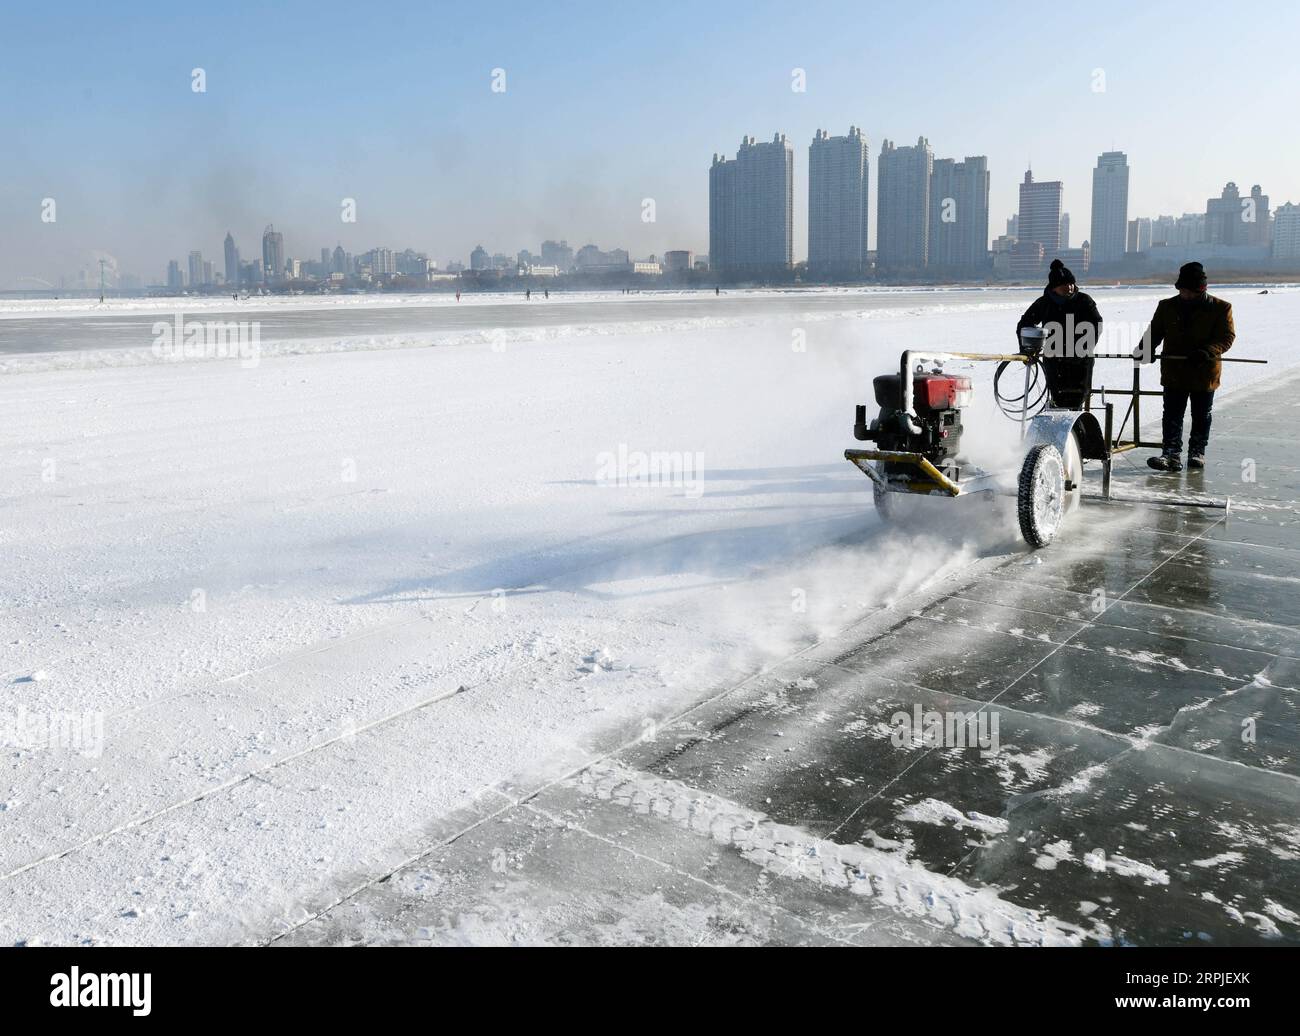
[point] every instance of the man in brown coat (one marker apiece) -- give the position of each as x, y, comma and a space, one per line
1195, 329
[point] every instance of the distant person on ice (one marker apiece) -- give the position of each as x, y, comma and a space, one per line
1073, 326
1197, 328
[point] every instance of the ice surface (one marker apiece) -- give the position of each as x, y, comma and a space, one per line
328, 602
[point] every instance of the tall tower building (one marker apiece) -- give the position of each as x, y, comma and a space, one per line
751, 208
959, 215
1040, 223
272, 254
1223, 217
1256, 217
232, 261
724, 219
196, 269
1109, 207
1065, 231
903, 206
838, 175
1286, 232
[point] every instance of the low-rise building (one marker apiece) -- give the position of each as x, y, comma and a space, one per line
678, 261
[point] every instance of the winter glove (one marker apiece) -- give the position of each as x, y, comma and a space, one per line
1202, 356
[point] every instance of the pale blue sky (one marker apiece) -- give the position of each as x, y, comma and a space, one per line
606, 104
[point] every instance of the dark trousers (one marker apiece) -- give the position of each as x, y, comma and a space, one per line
1069, 380
1176, 401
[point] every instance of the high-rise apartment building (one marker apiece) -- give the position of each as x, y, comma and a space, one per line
272, 254
1189, 229
1109, 207
903, 206
196, 269
380, 262
751, 208
1286, 232
1040, 223
232, 261
1139, 235
1234, 219
724, 218
1258, 218
1163, 230
558, 254
959, 215
838, 176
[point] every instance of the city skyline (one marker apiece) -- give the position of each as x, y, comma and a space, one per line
934, 213
945, 181
290, 123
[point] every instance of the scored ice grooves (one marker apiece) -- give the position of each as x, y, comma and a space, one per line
889, 879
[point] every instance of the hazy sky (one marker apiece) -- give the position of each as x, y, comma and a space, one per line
605, 104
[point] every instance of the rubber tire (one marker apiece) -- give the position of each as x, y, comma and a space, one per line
886, 505
1037, 527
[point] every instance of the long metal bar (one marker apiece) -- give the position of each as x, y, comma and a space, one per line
1137, 402
1106, 462
1129, 356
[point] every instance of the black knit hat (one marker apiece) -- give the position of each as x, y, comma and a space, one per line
1059, 274
1192, 276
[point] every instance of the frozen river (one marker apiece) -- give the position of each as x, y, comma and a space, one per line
45, 326
277, 634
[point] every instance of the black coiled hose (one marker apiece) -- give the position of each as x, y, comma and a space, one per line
1031, 400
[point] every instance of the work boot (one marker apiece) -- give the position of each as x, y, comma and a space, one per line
1165, 462
1195, 461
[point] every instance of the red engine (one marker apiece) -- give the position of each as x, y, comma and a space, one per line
941, 391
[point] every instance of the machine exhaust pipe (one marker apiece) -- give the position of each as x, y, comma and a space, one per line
860, 430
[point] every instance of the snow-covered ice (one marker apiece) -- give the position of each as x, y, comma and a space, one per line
324, 603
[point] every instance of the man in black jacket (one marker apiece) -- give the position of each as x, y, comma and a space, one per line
1073, 329
1195, 328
